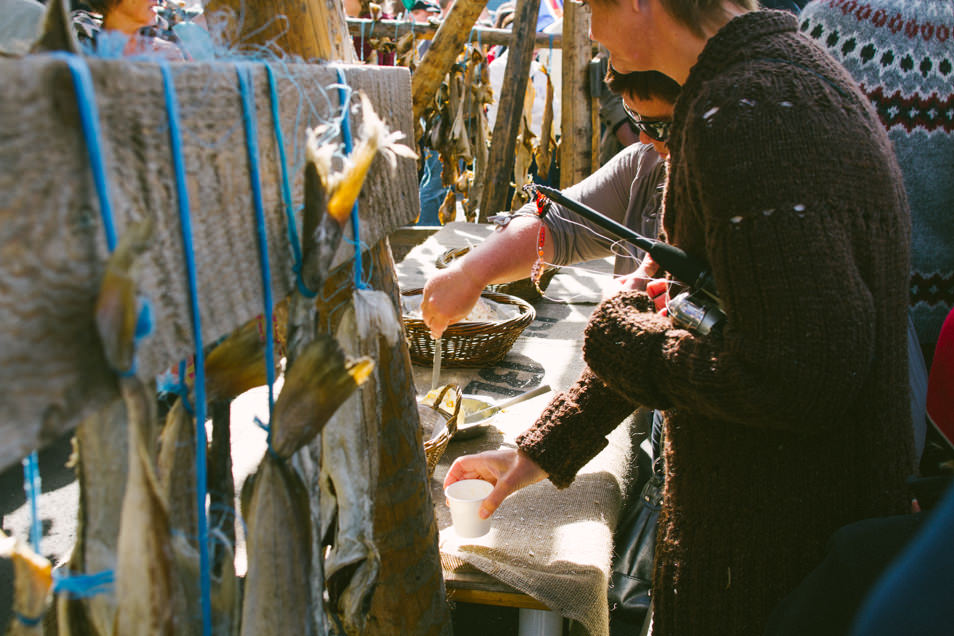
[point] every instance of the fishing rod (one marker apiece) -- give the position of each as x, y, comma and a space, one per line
697, 309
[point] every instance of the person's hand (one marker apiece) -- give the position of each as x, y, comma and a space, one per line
507, 469
637, 281
448, 297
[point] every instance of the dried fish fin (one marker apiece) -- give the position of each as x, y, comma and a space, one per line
275, 508
315, 386
177, 476
32, 584
117, 308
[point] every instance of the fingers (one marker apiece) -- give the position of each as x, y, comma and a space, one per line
494, 499
658, 290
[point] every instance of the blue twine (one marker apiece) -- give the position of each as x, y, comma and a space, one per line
286, 188
28, 620
31, 486
175, 141
89, 122
83, 585
346, 138
251, 142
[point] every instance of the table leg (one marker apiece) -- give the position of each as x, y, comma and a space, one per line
535, 622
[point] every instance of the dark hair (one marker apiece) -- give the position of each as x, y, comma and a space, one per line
642, 84
102, 7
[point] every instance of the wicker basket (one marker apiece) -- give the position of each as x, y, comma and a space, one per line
433, 408
469, 344
522, 288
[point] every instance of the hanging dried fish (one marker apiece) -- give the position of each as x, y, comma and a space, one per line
176, 468
100, 461
543, 153
275, 509
32, 583
149, 594
448, 210
315, 386
524, 147
349, 466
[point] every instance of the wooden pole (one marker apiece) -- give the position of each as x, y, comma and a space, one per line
496, 180
447, 45
484, 35
310, 29
576, 124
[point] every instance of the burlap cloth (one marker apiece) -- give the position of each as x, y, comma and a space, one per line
553, 545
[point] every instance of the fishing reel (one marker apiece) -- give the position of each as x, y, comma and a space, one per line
698, 309
695, 311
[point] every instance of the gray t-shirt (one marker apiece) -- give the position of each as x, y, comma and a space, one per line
628, 189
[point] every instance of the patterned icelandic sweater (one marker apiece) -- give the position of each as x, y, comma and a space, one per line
901, 53
795, 420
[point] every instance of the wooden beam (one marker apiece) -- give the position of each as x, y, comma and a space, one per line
318, 30
448, 44
52, 247
496, 180
576, 124
484, 35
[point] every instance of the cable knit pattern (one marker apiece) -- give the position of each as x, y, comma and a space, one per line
901, 53
795, 420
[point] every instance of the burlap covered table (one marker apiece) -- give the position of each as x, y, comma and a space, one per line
553, 545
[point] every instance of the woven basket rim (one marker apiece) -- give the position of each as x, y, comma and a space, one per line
526, 315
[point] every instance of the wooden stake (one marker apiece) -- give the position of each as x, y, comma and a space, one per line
576, 124
448, 44
496, 180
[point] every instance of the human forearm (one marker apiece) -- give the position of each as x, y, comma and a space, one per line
572, 429
507, 255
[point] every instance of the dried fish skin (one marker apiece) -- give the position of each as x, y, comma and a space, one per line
237, 364
177, 476
149, 594
32, 583
117, 308
349, 467
277, 593
100, 460
315, 386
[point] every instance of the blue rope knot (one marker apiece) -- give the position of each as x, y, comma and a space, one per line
83, 585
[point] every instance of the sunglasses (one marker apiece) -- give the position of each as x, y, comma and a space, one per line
657, 130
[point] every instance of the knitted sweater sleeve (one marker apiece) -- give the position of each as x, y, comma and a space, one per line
777, 181
572, 429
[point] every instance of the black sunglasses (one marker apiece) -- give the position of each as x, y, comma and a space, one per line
657, 130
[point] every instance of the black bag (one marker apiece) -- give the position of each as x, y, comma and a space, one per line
635, 541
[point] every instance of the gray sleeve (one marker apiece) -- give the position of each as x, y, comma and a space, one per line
625, 190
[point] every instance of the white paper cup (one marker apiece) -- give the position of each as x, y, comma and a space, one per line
464, 498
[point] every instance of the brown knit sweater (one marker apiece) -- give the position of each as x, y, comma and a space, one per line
795, 420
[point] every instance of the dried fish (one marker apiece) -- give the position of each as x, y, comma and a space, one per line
237, 364
101, 463
448, 209
543, 153
32, 582
315, 386
177, 476
149, 594
349, 466
275, 508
